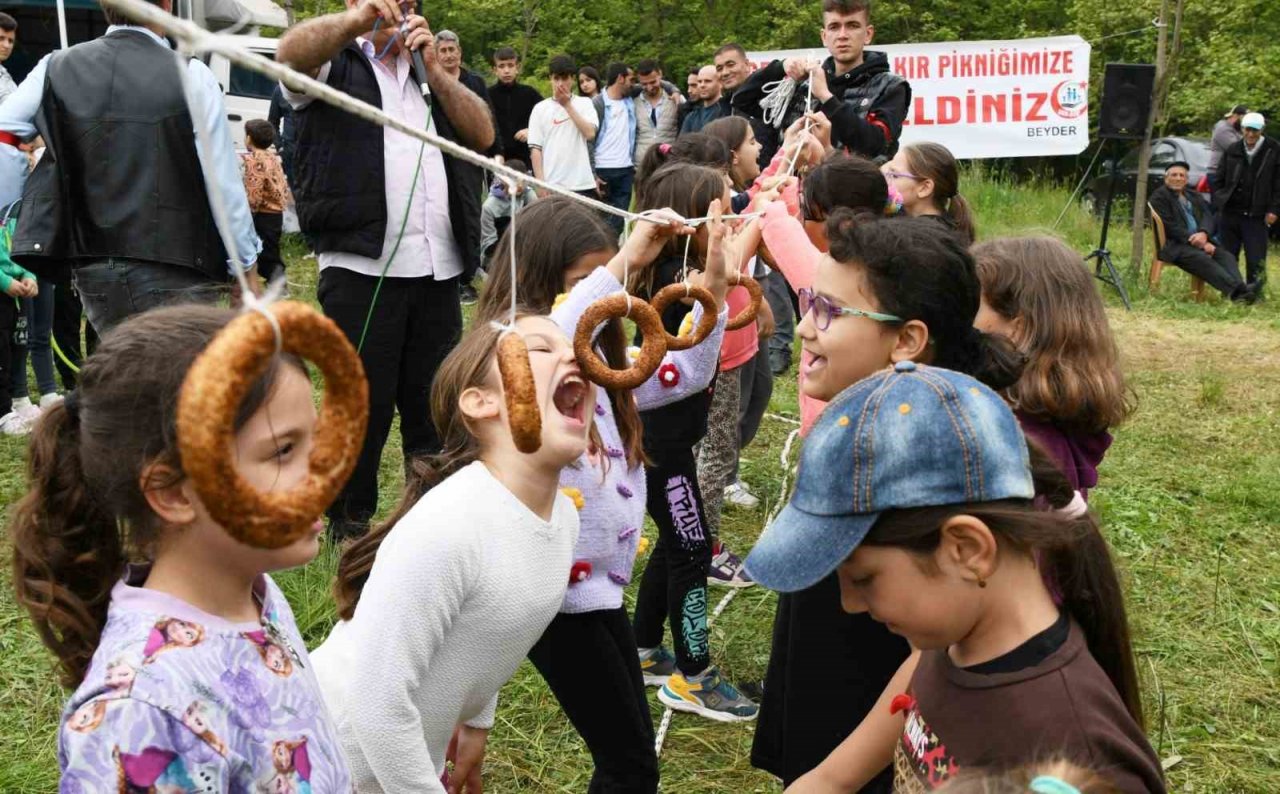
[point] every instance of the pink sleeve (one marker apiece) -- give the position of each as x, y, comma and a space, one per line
796, 256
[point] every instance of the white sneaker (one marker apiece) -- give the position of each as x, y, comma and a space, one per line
24, 408
737, 495
49, 400
13, 424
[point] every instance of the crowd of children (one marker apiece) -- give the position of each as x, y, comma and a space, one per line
949, 615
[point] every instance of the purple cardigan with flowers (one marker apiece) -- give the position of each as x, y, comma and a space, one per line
177, 699
610, 495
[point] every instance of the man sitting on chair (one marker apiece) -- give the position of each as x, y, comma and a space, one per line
1189, 226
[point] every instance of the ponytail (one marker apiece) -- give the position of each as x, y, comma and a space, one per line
67, 553
1073, 555
697, 148
961, 216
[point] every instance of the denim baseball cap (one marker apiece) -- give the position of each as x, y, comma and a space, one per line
910, 436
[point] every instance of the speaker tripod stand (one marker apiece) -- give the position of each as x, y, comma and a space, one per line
1101, 256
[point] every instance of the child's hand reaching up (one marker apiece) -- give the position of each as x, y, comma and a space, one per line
647, 238
718, 243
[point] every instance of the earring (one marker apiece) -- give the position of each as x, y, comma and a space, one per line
982, 582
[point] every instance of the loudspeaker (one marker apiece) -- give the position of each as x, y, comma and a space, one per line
1126, 101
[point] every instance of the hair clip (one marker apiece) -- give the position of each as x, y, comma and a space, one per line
665, 148
1048, 784
1076, 508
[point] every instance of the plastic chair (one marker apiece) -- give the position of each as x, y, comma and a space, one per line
1158, 265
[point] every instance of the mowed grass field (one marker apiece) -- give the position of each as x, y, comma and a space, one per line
1189, 497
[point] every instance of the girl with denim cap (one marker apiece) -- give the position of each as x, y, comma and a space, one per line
917, 487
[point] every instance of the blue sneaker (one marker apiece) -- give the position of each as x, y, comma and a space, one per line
657, 665
708, 695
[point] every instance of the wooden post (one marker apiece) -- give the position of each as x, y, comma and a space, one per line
288, 11
1144, 152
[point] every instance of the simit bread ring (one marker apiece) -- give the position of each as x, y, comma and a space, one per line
520, 393
653, 348
748, 313
212, 394
705, 324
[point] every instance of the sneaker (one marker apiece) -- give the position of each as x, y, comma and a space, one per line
708, 695
49, 400
726, 569
657, 665
23, 407
467, 294
738, 495
14, 424
779, 361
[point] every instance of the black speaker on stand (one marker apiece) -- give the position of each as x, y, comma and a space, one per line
1126, 106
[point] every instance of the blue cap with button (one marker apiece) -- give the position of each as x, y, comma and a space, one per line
910, 436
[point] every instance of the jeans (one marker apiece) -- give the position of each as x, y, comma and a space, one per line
590, 662
113, 290
415, 323
1237, 230
674, 585
778, 294
8, 323
39, 314
617, 191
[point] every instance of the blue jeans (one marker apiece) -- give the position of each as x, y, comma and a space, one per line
617, 191
39, 314
113, 290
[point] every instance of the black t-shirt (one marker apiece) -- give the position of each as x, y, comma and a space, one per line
1030, 653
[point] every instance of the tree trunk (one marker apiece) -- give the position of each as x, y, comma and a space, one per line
1144, 152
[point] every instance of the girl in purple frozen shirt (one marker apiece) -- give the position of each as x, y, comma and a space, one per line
188, 669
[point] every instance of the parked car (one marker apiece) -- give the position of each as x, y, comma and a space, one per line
247, 93
1195, 151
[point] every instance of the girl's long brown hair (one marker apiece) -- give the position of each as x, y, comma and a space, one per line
732, 131
553, 234
1072, 376
469, 365
688, 189
1072, 550
85, 514
935, 161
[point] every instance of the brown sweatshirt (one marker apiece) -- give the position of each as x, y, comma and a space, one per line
1063, 706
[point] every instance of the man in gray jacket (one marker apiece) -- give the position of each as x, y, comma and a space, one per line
1225, 132
656, 110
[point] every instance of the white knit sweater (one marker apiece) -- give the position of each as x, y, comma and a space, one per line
460, 591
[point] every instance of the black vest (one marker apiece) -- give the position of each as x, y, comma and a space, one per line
340, 173
120, 176
862, 88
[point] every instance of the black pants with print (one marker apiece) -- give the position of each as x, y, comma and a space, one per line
674, 585
589, 660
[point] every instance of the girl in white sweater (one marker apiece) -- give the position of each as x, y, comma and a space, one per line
441, 602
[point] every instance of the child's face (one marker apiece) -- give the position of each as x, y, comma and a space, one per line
271, 452
851, 348
916, 192
932, 609
120, 676
583, 267
566, 399
182, 633
747, 168
990, 321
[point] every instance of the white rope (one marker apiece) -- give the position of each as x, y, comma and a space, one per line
808, 124
195, 39
776, 100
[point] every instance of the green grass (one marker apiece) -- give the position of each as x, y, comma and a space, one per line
1190, 499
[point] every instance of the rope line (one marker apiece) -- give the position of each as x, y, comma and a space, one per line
195, 39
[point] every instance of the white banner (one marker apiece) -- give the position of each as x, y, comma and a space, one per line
1022, 98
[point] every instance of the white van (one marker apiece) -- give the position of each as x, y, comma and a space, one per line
247, 94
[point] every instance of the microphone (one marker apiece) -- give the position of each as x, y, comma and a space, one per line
420, 72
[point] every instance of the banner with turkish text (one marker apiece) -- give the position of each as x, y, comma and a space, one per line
1021, 98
